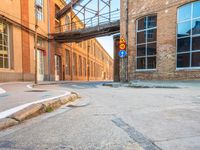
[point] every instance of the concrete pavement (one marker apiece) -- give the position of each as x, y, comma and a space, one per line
18, 94
115, 118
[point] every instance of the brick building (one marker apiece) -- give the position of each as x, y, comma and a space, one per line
86, 60
163, 39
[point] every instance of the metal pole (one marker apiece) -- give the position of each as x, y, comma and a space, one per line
72, 58
98, 11
127, 3
36, 37
88, 66
109, 11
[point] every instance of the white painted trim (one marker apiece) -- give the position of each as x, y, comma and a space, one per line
11, 111
2, 91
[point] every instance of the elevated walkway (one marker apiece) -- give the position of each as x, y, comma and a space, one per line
105, 29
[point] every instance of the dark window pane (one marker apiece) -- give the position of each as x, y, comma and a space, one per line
5, 62
184, 29
184, 12
196, 26
152, 21
1, 62
151, 62
196, 59
151, 49
5, 28
196, 9
183, 60
142, 24
141, 63
141, 50
1, 38
184, 45
196, 43
151, 35
141, 37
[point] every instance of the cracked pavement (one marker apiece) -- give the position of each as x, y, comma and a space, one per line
113, 119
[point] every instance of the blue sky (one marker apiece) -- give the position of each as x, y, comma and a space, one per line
107, 42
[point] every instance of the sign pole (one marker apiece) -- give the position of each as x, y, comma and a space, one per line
122, 55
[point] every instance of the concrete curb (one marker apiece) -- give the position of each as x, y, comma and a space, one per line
35, 110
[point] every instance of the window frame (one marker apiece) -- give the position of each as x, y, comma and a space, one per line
40, 15
146, 44
191, 36
8, 45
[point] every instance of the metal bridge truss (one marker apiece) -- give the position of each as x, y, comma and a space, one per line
96, 18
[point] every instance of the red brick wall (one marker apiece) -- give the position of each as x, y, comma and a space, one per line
25, 37
166, 38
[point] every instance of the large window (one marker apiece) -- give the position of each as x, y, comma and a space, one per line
67, 62
39, 7
75, 64
146, 42
188, 36
4, 48
80, 65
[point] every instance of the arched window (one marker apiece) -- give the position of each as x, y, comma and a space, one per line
67, 23
188, 36
146, 42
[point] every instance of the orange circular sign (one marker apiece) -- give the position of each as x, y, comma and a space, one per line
122, 46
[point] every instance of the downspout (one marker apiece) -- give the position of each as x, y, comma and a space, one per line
49, 45
127, 76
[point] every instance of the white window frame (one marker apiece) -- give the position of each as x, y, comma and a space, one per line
40, 14
8, 46
146, 43
190, 36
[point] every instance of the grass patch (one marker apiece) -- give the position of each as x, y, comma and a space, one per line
49, 109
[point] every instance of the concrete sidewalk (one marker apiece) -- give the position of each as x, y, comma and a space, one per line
20, 94
157, 84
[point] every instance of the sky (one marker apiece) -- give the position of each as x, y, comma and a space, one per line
107, 42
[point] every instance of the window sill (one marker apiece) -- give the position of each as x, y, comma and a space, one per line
145, 70
7, 69
188, 69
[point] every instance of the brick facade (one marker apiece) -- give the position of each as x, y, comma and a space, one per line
91, 63
166, 12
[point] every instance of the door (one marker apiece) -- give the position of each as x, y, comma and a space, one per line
40, 65
57, 67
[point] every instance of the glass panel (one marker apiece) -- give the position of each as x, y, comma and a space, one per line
5, 30
151, 49
141, 37
1, 62
184, 29
5, 62
183, 60
1, 27
141, 50
196, 59
1, 49
183, 45
151, 35
142, 24
141, 63
5, 40
196, 26
152, 21
184, 12
196, 43
151, 62
196, 9
1, 38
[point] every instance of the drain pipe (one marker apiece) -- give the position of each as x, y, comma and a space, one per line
127, 21
49, 45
